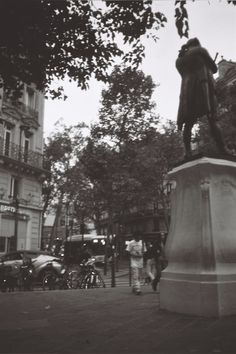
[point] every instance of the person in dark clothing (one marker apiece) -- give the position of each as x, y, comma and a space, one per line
152, 258
150, 261
158, 246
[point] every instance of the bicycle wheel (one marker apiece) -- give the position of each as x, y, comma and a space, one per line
83, 282
49, 281
98, 280
92, 280
73, 279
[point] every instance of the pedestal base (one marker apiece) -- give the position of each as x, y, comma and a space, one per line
201, 246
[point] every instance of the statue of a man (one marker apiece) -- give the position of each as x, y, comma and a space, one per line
197, 96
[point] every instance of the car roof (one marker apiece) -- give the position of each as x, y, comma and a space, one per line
85, 237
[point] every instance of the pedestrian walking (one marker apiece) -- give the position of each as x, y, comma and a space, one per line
150, 258
160, 260
136, 250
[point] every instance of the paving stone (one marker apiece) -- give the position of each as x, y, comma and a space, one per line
110, 320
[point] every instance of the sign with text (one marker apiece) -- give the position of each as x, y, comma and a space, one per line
7, 208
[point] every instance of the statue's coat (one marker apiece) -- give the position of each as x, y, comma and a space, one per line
197, 96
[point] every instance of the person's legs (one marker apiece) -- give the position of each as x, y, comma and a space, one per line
157, 277
135, 278
149, 269
136, 274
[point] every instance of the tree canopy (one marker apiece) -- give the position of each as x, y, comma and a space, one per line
61, 155
41, 40
226, 117
127, 109
128, 153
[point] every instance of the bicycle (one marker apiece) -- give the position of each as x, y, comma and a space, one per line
88, 277
52, 281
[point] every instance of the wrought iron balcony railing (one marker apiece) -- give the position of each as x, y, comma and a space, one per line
16, 152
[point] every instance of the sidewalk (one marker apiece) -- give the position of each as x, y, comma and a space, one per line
106, 320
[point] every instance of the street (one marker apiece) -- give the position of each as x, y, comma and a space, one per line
110, 320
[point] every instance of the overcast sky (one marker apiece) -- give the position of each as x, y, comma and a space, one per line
212, 21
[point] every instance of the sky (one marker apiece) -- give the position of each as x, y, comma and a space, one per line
213, 22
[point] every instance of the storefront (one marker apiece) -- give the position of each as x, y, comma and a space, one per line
13, 228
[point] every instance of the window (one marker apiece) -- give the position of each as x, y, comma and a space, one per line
26, 149
12, 257
14, 187
31, 99
15, 257
7, 142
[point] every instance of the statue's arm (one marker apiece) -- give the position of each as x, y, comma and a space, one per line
200, 51
191, 55
210, 62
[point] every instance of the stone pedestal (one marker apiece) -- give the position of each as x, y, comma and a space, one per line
201, 246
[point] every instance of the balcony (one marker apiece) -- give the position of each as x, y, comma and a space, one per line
17, 153
20, 110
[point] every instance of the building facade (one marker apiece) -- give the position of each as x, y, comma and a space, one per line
21, 170
227, 72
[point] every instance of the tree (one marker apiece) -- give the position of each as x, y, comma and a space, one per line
226, 116
134, 176
128, 156
152, 158
62, 156
100, 163
41, 40
126, 107
46, 39
126, 114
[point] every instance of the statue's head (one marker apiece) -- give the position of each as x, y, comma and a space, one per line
193, 42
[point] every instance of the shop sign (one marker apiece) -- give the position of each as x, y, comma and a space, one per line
7, 208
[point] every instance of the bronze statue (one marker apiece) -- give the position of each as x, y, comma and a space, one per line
197, 96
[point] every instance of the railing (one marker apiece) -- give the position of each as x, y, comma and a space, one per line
15, 152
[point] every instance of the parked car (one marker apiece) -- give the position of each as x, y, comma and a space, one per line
40, 261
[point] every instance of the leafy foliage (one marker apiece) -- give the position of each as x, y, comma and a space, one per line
226, 117
181, 18
44, 40
127, 110
61, 155
127, 157
41, 40
132, 177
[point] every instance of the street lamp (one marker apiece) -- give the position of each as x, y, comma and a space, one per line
15, 203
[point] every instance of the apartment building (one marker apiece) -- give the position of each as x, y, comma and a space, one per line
21, 170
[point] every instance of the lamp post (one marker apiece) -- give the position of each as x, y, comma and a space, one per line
113, 278
79, 208
16, 205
